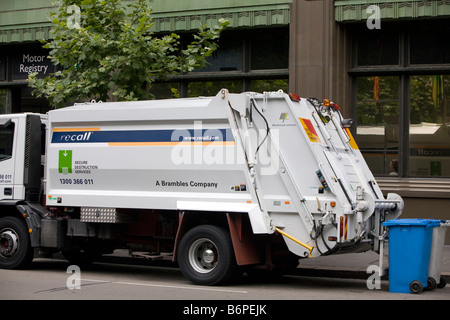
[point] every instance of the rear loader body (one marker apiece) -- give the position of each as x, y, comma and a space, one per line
215, 184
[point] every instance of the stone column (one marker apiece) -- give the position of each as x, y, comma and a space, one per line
319, 53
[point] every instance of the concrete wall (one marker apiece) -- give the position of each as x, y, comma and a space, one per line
428, 208
319, 53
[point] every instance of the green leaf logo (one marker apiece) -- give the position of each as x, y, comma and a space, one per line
65, 161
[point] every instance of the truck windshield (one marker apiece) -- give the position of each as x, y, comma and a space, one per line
6, 141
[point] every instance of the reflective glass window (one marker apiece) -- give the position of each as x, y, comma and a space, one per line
429, 128
377, 131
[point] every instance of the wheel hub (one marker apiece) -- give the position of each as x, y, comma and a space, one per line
208, 256
9, 243
203, 255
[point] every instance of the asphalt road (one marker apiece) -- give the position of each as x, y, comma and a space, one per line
48, 279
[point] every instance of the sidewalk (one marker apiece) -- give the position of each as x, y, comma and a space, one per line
354, 265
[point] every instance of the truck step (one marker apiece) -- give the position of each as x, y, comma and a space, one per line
152, 256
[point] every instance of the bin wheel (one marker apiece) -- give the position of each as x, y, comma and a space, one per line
431, 284
442, 283
416, 287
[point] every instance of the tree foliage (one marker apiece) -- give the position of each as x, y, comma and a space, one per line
107, 50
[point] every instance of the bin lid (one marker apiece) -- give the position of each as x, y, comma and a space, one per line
430, 223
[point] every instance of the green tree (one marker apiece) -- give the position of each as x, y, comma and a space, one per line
107, 50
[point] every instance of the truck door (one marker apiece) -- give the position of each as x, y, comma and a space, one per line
7, 127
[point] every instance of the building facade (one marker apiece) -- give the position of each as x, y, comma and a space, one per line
399, 79
385, 62
253, 55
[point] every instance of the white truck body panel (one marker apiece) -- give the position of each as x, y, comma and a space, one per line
254, 153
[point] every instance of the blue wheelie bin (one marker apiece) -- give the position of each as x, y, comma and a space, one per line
409, 253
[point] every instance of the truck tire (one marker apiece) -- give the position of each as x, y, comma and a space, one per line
15, 245
206, 255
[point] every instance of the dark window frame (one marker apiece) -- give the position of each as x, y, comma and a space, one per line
246, 75
404, 70
7, 130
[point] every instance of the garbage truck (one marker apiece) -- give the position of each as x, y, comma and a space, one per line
250, 182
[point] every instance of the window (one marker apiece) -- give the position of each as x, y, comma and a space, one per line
377, 131
430, 46
211, 88
269, 85
2, 67
269, 50
165, 90
2, 101
229, 56
377, 48
247, 60
401, 94
429, 128
6, 140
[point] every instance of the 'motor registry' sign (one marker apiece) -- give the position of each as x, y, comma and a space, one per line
30, 61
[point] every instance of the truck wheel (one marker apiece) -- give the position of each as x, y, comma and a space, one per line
206, 255
15, 246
